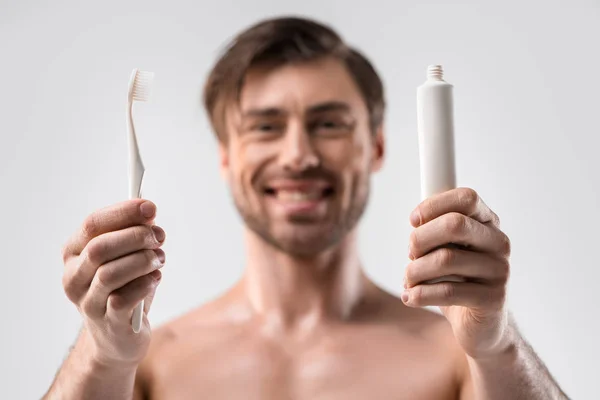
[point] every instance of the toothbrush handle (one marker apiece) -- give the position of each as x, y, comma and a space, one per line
136, 177
137, 317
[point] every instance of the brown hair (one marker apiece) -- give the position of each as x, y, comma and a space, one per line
280, 41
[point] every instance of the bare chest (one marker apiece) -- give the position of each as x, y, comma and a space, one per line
375, 369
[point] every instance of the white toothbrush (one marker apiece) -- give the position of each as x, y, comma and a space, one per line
140, 85
435, 123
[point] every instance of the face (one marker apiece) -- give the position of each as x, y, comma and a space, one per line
299, 155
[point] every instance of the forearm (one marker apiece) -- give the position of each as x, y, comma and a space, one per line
518, 373
80, 377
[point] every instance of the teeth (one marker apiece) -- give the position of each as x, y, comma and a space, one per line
288, 195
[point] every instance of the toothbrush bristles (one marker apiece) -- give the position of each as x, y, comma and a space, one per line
142, 85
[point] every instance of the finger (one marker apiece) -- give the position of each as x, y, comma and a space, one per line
111, 218
148, 301
109, 246
471, 295
461, 200
118, 273
478, 267
121, 302
459, 229
150, 298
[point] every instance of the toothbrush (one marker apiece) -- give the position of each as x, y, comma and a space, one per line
435, 124
140, 85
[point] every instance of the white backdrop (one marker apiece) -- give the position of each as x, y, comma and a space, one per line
526, 93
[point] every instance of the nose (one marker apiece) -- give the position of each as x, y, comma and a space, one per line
298, 153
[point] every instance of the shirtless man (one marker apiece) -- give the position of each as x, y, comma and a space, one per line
298, 116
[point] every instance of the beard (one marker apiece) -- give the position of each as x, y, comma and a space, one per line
305, 238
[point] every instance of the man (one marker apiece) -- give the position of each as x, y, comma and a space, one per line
299, 119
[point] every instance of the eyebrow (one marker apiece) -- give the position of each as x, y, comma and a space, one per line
315, 109
329, 106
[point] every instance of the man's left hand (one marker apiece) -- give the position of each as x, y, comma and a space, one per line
457, 236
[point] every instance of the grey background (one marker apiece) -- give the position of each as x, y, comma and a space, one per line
526, 93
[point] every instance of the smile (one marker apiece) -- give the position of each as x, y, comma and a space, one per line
299, 195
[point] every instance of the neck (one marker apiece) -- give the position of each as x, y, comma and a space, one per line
291, 290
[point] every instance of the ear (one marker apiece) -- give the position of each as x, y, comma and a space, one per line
224, 160
378, 149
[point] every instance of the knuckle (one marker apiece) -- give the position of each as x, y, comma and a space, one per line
468, 198
87, 307
448, 290
445, 256
105, 275
150, 258
149, 284
416, 295
94, 251
409, 274
143, 235
428, 209
505, 245
413, 241
89, 227
504, 267
495, 219
137, 235
64, 252
150, 237
123, 213
70, 288
72, 283
117, 301
455, 223
66, 283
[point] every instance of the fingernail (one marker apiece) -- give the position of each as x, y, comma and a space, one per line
404, 296
156, 275
161, 255
415, 217
159, 234
147, 209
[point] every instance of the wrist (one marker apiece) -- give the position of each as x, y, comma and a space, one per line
505, 353
501, 345
105, 370
94, 363
505, 357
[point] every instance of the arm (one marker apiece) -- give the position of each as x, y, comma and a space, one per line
112, 263
81, 377
498, 362
517, 373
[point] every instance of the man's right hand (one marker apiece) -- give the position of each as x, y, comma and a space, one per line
111, 264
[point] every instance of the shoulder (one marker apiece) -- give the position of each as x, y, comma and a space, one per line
426, 323
196, 331
427, 327
197, 326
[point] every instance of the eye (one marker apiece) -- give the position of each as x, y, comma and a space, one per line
330, 124
267, 128
330, 127
264, 128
